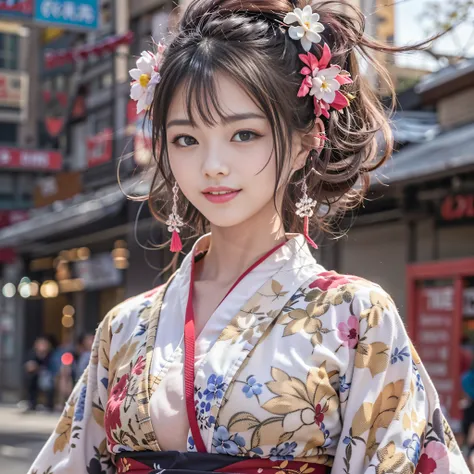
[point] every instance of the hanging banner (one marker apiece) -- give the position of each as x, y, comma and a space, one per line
16, 8
26, 159
68, 13
55, 104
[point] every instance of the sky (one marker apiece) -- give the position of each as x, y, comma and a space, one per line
408, 30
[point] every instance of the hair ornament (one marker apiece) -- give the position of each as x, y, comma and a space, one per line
309, 26
323, 81
145, 77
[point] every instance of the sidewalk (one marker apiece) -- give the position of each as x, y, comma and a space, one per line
14, 421
22, 435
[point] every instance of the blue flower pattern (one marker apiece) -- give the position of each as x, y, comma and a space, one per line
327, 439
343, 385
224, 443
399, 354
215, 388
419, 382
81, 403
214, 392
283, 452
413, 447
142, 327
252, 388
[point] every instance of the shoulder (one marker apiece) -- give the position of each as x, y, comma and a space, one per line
133, 310
341, 293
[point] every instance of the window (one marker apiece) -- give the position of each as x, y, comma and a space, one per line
101, 121
8, 133
9, 51
7, 185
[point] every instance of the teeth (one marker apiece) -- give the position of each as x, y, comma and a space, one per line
221, 192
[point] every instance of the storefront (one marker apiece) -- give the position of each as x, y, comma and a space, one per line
440, 317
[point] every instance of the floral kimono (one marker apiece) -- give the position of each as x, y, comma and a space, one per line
301, 371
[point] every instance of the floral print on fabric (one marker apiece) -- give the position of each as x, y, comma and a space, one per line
316, 367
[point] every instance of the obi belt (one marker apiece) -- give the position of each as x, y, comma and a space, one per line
156, 462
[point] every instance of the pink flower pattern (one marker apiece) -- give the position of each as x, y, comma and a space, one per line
330, 280
320, 69
349, 332
434, 459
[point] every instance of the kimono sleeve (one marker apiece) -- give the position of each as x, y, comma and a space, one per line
391, 417
78, 443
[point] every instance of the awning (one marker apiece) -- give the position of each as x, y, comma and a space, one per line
63, 216
446, 152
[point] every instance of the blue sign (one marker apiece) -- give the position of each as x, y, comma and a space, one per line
68, 13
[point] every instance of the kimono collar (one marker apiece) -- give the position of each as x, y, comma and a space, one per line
296, 246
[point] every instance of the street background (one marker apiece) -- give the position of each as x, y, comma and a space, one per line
72, 245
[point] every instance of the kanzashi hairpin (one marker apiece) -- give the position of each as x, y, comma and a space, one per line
145, 77
323, 81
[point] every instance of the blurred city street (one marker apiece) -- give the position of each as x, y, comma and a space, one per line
21, 437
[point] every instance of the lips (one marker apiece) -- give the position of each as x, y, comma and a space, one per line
220, 194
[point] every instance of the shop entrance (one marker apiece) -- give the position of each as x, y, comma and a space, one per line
440, 321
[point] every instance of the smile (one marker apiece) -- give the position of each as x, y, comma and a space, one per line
220, 195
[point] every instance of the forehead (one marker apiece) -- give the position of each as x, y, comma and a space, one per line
226, 97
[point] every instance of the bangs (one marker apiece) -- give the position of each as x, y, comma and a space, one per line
200, 85
201, 90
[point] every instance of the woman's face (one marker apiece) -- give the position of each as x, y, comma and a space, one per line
227, 171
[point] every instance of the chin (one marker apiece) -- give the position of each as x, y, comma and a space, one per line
225, 221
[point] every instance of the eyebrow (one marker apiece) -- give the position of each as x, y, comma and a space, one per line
228, 119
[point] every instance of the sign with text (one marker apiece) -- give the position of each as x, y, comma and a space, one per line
98, 272
68, 13
13, 89
99, 148
457, 208
26, 159
434, 343
16, 8
11, 217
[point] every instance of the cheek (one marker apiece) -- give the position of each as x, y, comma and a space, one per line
184, 172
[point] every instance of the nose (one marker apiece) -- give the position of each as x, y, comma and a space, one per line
215, 165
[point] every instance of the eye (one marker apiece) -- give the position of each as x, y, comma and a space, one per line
245, 136
185, 141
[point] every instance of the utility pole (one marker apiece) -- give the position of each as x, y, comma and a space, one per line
121, 18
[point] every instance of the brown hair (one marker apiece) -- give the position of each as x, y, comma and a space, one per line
246, 40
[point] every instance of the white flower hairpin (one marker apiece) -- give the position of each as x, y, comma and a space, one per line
145, 77
309, 26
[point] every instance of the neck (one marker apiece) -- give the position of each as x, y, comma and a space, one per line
234, 249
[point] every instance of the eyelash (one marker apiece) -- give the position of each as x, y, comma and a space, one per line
255, 135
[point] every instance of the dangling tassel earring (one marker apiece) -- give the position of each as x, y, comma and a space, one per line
174, 223
305, 209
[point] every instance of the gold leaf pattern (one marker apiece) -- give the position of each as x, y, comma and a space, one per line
373, 356
63, 429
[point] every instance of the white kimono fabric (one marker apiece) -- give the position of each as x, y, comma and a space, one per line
310, 366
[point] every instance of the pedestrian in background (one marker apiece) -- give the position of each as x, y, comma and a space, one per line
83, 354
39, 373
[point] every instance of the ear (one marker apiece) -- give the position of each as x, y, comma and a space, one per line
307, 142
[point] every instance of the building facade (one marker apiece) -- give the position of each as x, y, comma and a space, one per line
82, 247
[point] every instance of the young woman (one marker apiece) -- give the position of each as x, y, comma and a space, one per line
253, 358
